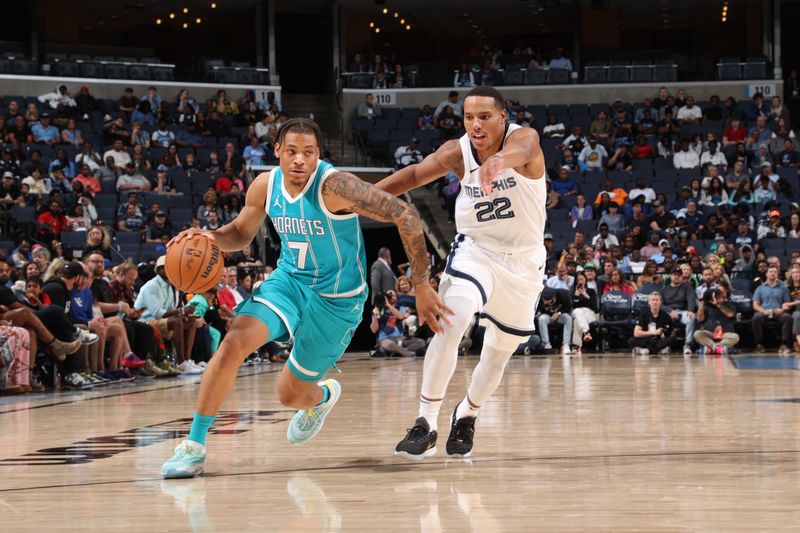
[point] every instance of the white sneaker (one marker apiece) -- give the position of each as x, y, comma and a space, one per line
641, 351
664, 351
188, 367
565, 349
687, 351
87, 337
548, 346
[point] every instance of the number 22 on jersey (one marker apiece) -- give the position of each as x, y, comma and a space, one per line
496, 209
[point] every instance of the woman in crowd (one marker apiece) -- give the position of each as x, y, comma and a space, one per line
616, 282
581, 211
98, 240
584, 312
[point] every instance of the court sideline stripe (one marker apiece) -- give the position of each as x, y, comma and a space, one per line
411, 466
130, 393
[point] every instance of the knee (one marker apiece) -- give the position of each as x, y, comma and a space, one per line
287, 395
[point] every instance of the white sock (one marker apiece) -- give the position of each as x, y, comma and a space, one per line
465, 408
429, 410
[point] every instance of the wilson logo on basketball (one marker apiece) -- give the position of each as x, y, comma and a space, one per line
194, 265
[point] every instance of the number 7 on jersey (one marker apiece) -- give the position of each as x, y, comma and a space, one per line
302, 252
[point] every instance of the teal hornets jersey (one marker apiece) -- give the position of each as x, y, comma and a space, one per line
321, 250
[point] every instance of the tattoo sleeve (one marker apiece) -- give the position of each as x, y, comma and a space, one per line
368, 200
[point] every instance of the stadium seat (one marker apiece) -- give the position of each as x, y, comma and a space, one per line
557, 76
24, 66
139, 72
115, 71
535, 76
67, 69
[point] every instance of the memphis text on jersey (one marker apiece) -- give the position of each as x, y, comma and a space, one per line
298, 226
474, 191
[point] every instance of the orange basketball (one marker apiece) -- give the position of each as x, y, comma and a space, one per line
194, 265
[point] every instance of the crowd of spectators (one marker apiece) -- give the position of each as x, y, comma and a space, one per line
672, 196
90, 187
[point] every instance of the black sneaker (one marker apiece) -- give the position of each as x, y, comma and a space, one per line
420, 442
459, 443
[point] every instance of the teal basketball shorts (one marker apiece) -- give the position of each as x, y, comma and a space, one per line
321, 327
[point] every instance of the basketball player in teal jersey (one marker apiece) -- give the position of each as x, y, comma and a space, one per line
317, 293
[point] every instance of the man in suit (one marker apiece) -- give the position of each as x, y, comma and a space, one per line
381, 277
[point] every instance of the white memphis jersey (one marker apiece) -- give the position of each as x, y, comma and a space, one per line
509, 220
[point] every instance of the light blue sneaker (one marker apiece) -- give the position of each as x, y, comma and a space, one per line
187, 461
306, 423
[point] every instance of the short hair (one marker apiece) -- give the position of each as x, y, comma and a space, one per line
487, 91
34, 279
384, 251
299, 125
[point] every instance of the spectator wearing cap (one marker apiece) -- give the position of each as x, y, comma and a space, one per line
117, 151
163, 183
452, 101
664, 254
10, 194
659, 220
613, 219
159, 229
89, 182
604, 239
680, 302
44, 132
59, 180
564, 186
555, 307
559, 61
744, 266
593, 156
408, 154
771, 228
131, 181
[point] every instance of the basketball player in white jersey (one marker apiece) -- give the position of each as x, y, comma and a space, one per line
496, 265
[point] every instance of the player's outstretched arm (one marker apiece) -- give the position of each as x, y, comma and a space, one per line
343, 191
521, 150
241, 231
446, 159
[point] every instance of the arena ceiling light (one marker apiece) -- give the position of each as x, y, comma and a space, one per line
725, 12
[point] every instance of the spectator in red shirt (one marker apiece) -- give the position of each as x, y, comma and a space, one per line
735, 133
228, 296
52, 221
643, 150
89, 182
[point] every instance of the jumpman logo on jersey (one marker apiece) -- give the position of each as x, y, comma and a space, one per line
277, 203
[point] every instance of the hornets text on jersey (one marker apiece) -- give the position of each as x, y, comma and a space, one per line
322, 250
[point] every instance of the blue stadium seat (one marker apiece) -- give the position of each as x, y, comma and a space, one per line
127, 238
75, 240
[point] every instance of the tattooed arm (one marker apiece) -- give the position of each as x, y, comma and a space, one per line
343, 191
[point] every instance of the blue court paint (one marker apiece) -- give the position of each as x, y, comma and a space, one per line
765, 363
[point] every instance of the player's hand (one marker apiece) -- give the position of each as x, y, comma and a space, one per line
431, 308
491, 171
188, 234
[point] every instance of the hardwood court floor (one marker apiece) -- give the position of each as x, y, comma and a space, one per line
614, 445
